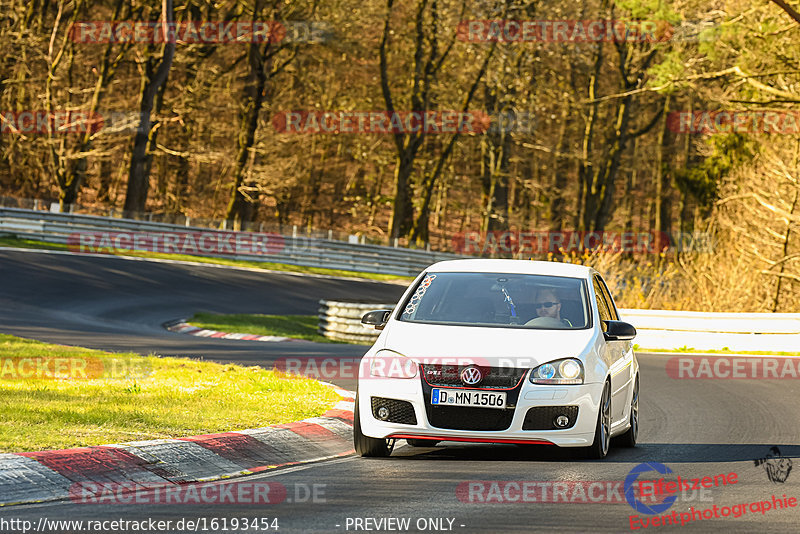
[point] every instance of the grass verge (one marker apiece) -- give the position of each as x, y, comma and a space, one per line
293, 326
723, 350
285, 267
93, 397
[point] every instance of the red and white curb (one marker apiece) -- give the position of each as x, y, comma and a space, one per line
30, 477
185, 328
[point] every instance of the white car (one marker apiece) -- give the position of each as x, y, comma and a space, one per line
499, 351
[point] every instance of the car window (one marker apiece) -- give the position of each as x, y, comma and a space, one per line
499, 300
602, 307
612, 308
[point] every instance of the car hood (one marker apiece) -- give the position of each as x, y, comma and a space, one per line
501, 347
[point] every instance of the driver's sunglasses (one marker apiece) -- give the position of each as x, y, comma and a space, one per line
547, 305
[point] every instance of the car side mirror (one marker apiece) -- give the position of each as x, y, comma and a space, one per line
619, 331
377, 318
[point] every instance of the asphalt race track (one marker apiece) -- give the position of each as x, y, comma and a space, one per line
119, 304
697, 428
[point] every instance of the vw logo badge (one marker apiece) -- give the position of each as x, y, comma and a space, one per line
471, 375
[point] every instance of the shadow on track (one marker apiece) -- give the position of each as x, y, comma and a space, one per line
647, 452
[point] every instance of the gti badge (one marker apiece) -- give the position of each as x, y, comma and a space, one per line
471, 375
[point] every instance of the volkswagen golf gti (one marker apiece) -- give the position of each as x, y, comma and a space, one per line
499, 351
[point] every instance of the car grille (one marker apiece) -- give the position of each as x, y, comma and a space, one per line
468, 418
399, 411
543, 417
439, 375
464, 418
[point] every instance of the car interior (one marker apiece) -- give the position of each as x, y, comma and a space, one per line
490, 298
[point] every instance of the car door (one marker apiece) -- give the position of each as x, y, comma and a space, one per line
615, 350
623, 362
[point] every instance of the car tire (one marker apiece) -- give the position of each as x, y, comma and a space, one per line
422, 442
628, 439
367, 446
602, 433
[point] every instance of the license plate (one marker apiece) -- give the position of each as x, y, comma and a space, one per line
468, 397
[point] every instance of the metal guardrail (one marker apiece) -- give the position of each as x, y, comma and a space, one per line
656, 329
663, 329
295, 250
342, 320
732, 323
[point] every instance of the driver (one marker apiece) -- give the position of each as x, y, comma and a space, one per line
549, 305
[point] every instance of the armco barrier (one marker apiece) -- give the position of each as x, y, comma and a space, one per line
342, 320
57, 227
662, 329
656, 329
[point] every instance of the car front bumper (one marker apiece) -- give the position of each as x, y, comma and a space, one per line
586, 397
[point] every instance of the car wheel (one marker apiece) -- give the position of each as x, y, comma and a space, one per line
422, 442
367, 446
628, 439
602, 432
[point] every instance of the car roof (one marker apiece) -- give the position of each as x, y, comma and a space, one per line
550, 268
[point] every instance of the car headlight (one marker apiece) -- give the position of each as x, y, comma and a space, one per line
388, 364
566, 371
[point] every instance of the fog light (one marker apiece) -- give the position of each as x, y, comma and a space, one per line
562, 421
383, 413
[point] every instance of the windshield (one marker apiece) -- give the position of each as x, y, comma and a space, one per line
499, 300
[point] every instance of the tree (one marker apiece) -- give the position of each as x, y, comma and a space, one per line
156, 71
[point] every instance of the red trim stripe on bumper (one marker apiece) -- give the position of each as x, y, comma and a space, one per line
472, 440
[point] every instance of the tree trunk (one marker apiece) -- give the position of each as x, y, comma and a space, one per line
494, 179
253, 95
786, 237
420, 231
560, 171
585, 209
155, 77
402, 209
663, 212
76, 172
